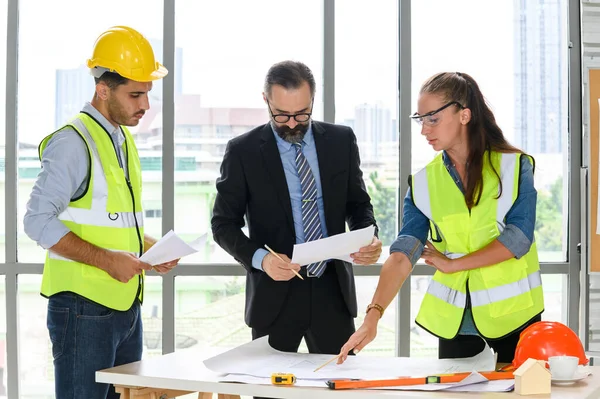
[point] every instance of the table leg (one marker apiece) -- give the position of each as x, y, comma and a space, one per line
124, 391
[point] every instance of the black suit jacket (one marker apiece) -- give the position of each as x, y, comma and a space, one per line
253, 184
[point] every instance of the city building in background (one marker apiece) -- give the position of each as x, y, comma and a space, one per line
541, 111
376, 133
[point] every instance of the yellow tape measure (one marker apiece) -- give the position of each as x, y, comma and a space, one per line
283, 379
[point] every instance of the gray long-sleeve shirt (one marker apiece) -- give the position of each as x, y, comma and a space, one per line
65, 165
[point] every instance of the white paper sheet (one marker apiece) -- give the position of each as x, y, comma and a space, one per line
490, 386
258, 359
170, 247
248, 379
339, 246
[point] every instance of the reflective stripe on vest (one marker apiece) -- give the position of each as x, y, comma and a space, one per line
447, 294
108, 215
54, 255
100, 186
502, 292
99, 217
485, 297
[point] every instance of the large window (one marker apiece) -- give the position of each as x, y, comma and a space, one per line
366, 99
220, 94
522, 70
209, 313
55, 84
384, 343
516, 50
36, 373
152, 313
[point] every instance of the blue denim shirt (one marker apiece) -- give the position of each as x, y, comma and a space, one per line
288, 159
517, 236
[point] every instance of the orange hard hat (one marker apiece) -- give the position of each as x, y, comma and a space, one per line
545, 339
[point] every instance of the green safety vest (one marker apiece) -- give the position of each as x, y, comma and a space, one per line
503, 296
108, 215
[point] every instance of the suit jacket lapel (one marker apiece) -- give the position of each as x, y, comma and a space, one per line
325, 166
273, 165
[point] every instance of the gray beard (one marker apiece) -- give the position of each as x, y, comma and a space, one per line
291, 136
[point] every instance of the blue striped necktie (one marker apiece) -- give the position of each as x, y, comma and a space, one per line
310, 212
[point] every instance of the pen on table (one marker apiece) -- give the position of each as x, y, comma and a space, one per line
279, 257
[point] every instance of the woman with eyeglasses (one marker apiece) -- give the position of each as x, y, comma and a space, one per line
470, 213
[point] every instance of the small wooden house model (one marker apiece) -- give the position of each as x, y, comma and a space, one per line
532, 378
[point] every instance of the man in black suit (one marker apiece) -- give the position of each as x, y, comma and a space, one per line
265, 177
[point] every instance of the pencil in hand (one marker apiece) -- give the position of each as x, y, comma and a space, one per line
327, 362
279, 257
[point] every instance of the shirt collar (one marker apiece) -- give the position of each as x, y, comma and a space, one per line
446, 159
308, 141
109, 127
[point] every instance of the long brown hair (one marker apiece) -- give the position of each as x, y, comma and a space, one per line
483, 133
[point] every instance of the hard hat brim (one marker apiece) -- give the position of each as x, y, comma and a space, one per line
159, 73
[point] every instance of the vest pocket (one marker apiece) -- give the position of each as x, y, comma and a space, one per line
116, 176
506, 289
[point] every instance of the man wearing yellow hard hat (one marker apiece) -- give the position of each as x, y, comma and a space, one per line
85, 209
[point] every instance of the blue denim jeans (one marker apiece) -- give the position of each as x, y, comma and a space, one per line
87, 337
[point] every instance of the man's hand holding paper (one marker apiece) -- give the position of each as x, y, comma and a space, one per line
166, 267
358, 246
369, 254
166, 252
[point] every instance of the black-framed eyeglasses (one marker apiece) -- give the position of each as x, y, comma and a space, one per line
284, 118
429, 118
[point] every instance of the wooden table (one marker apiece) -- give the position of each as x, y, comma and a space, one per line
181, 373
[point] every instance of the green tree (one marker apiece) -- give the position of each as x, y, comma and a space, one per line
548, 223
383, 200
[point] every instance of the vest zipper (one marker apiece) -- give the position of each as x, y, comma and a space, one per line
137, 226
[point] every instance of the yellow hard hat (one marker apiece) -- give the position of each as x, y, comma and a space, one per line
125, 51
